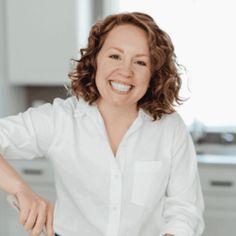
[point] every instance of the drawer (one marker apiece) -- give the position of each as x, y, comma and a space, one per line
218, 179
35, 171
220, 203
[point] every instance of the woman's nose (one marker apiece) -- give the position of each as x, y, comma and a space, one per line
126, 69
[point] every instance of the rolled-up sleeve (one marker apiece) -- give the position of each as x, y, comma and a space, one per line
27, 135
183, 209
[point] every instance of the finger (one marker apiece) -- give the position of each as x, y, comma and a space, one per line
30, 222
23, 215
40, 221
49, 221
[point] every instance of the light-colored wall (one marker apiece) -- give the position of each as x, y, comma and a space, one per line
12, 99
17, 99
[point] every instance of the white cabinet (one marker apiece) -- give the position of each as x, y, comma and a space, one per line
219, 190
41, 40
38, 174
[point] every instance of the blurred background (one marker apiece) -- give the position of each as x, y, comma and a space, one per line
39, 38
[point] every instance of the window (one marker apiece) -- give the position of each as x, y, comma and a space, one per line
204, 36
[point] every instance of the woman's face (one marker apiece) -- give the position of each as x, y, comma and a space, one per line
123, 66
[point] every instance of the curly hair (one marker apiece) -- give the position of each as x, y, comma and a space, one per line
163, 91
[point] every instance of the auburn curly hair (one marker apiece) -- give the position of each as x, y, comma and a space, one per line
163, 91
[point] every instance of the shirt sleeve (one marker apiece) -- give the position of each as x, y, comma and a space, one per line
183, 208
27, 135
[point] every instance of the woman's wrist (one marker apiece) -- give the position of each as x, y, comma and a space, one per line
20, 187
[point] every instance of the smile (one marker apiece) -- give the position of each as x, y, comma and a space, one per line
121, 87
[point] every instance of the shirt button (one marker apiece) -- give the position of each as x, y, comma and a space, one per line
114, 208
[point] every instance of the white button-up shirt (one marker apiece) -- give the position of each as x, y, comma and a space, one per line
151, 187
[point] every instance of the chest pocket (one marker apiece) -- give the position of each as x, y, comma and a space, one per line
146, 181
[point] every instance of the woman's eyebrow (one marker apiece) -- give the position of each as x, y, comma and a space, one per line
141, 55
136, 55
118, 49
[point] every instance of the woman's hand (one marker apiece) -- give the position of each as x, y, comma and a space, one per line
35, 212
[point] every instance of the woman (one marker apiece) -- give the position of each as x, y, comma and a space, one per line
123, 159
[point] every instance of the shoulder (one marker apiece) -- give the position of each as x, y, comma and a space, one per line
68, 104
173, 119
172, 125
170, 121
176, 127
58, 106
48, 112
168, 127
71, 106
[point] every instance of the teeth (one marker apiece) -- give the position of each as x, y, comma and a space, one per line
120, 87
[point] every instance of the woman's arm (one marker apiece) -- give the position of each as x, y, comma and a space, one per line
184, 205
10, 181
27, 135
35, 212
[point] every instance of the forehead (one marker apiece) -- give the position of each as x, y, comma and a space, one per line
127, 35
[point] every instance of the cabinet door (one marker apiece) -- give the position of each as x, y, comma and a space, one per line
219, 222
218, 184
41, 40
2, 213
220, 214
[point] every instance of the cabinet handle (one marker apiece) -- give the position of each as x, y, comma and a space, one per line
220, 183
33, 171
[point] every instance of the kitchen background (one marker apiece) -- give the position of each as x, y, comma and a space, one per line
38, 39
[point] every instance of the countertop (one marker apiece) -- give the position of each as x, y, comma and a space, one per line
217, 159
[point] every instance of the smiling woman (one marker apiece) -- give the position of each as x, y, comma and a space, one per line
123, 159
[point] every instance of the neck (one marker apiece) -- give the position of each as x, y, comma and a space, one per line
113, 113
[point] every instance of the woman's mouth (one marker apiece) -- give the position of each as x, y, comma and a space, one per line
121, 87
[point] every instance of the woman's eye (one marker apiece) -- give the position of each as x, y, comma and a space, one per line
114, 56
141, 63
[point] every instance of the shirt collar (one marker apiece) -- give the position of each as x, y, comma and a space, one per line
83, 108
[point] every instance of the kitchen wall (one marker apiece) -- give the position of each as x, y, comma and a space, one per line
12, 99
42, 94
15, 99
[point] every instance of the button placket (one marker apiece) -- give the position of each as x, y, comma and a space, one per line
115, 202
121, 155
